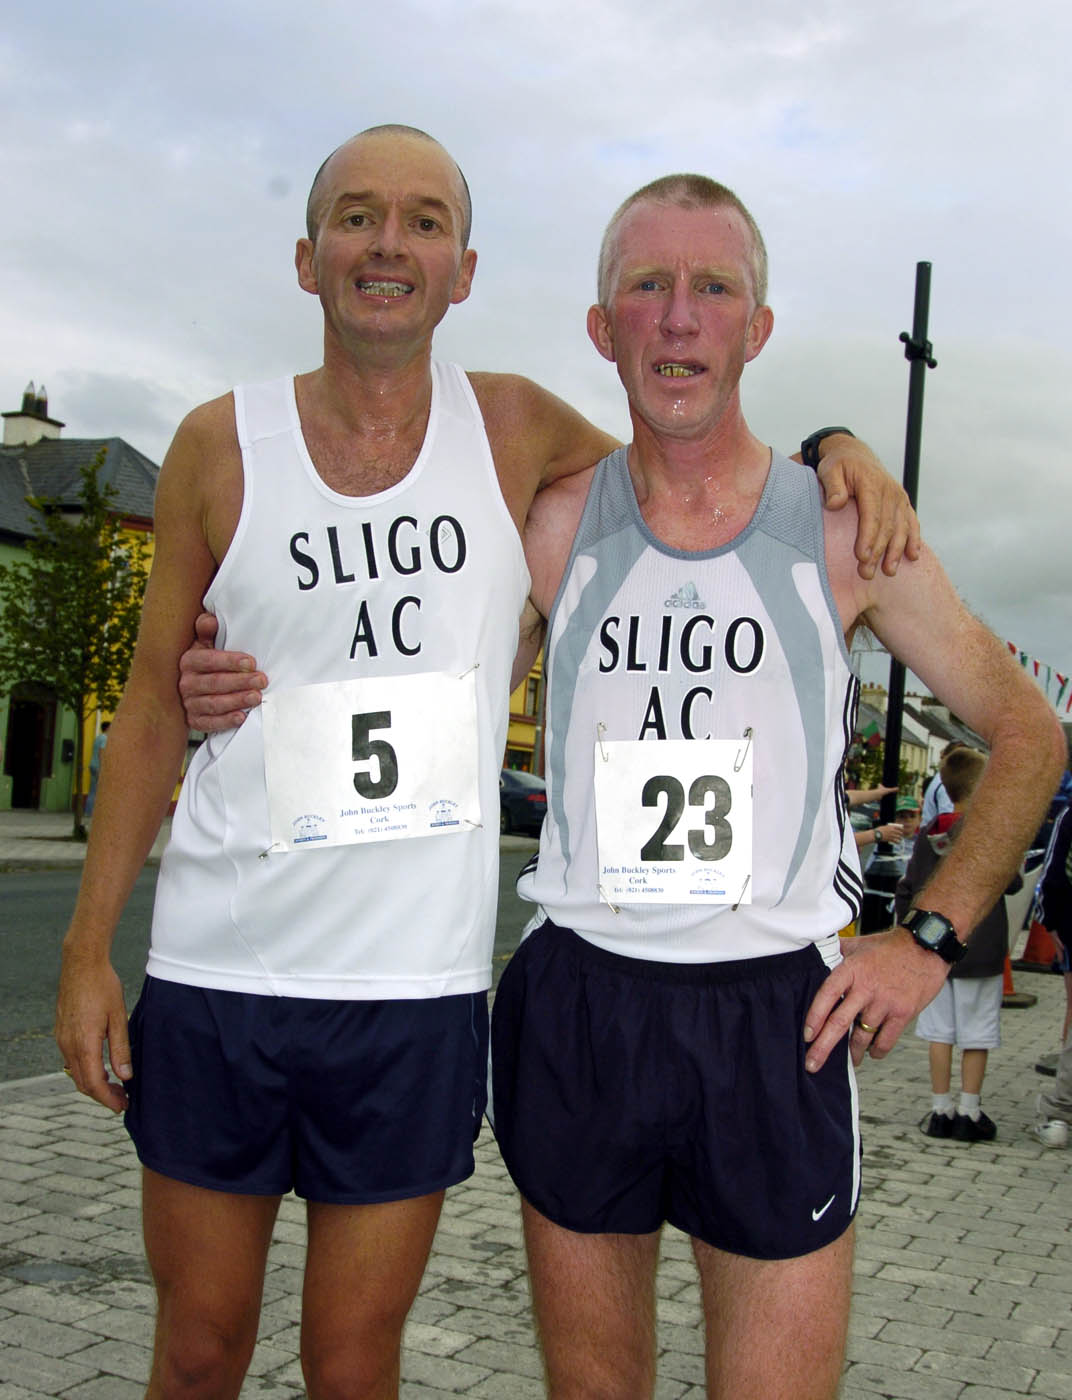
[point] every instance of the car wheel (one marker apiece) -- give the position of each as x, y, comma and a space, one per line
504, 822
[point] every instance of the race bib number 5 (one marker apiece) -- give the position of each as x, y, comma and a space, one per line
371, 760
674, 821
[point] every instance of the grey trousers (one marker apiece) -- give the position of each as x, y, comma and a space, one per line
1058, 1103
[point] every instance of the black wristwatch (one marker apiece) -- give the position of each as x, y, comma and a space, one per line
935, 933
809, 448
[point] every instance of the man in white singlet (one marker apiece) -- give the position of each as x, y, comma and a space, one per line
674, 1040
325, 912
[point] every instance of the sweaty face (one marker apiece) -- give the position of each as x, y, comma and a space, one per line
387, 260
681, 320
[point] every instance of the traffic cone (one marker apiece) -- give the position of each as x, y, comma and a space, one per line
1010, 997
1040, 951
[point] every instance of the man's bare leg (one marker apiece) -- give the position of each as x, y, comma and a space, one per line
776, 1328
594, 1300
362, 1273
207, 1252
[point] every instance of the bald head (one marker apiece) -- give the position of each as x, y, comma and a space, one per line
314, 208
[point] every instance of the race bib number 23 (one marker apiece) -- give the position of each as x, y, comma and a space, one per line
674, 821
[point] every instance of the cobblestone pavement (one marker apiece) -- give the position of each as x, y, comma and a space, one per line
963, 1285
963, 1274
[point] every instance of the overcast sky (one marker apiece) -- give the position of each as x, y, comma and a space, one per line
156, 158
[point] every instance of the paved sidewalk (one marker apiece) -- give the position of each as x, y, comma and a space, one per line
43, 839
963, 1276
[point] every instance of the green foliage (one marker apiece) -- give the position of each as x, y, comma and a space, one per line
69, 612
867, 767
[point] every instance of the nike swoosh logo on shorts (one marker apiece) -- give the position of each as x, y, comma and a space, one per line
818, 1214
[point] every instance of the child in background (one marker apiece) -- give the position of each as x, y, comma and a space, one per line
967, 1010
908, 817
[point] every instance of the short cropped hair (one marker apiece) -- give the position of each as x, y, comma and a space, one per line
961, 771
313, 212
684, 192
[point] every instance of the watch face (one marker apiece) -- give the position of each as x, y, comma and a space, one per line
931, 931
935, 932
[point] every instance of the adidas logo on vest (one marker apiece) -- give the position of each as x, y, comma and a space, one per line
685, 597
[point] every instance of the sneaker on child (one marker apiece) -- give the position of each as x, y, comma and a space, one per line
937, 1125
981, 1129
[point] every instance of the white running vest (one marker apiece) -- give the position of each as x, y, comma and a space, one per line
427, 576
646, 642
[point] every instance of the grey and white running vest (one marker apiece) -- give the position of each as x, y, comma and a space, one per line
648, 643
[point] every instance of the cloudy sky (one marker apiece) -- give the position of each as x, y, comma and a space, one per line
154, 162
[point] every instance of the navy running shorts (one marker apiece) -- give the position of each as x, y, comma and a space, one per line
626, 1093
344, 1102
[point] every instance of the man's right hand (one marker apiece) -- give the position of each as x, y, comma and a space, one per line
217, 687
91, 1021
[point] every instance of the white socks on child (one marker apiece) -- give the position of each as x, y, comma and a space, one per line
969, 1105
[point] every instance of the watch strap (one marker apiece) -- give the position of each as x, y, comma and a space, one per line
809, 448
942, 940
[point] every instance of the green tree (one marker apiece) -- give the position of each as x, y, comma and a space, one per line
868, 762
69, 612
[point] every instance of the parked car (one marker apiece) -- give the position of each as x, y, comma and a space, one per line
522, 802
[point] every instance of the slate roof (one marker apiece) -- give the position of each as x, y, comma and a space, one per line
51, 468
945, 729
917, 722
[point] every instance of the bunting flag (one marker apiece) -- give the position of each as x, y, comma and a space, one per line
1057, 687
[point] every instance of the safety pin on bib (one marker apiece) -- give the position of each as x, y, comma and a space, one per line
743, 753
737, 906
603, 896
601, 729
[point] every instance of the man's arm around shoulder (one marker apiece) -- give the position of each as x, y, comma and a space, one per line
888, 528
548, 538
536, 438
549, 533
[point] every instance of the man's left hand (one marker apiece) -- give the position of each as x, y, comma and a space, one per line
884, 980
889, 528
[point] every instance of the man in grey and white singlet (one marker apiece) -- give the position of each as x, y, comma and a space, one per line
675, 1039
